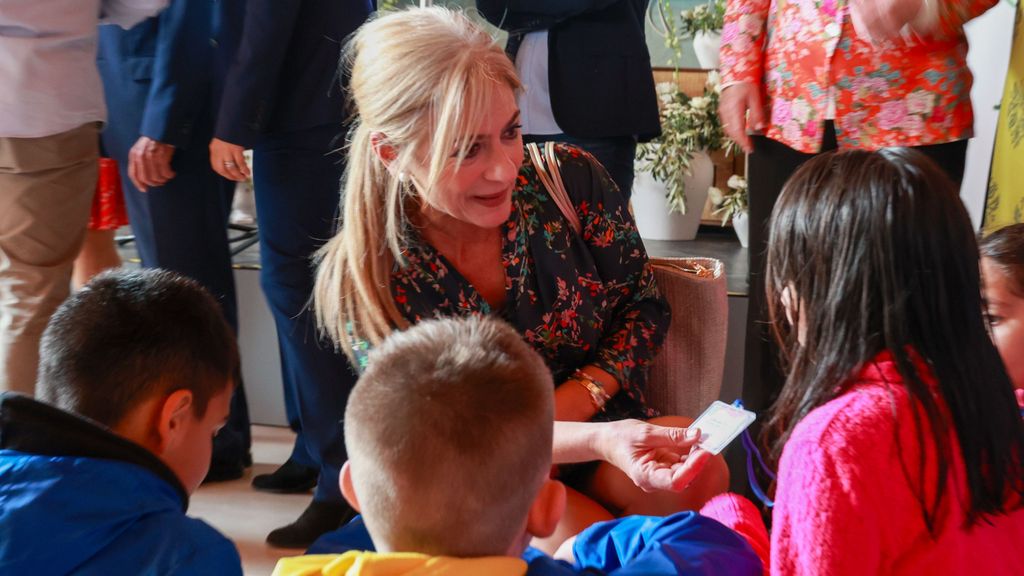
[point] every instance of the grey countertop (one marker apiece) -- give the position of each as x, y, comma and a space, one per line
710, 243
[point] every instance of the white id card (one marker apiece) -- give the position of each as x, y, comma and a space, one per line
720, 424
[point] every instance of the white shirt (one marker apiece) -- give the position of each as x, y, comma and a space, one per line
535, 100
48, 78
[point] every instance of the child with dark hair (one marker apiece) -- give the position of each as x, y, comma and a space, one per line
1002, 265
898, 445
136, 373
449, 434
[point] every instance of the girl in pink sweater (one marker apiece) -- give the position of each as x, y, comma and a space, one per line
897, 437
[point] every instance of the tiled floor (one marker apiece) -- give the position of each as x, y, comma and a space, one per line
247, 516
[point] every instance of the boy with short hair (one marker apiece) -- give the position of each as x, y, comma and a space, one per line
449, 436
137, 371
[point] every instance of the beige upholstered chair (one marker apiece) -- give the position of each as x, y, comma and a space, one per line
687, 374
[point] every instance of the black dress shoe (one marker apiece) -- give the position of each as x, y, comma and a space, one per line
224, 470
290, 478
316, 520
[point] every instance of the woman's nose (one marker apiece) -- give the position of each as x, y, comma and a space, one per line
505, 163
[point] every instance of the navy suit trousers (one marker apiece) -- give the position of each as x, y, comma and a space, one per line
297, 186
182, 226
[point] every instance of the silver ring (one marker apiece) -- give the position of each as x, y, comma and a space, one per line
229, 164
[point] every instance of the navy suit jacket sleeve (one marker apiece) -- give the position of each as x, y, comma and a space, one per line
517, 16
180, 85
253, 78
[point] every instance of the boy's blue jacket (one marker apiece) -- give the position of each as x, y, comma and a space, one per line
75, 498
684, 543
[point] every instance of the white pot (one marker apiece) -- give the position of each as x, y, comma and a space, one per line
650, 206
706, 45
741, 224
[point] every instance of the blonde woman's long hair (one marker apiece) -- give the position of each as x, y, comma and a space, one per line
422, 80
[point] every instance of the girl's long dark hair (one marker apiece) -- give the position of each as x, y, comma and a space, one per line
878, 253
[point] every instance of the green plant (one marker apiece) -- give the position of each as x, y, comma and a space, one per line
733, 203
708, 17
688, 125
665, 25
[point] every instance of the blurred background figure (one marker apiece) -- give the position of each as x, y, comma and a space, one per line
804, 78
163, 80
283, 100
587, 75
48, 161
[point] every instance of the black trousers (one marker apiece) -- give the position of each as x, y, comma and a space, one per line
769, 167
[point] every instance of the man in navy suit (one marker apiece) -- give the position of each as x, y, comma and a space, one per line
284, 100
163, 80
587, 73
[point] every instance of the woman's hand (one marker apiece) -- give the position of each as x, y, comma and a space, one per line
654, 457
735, 102
228, 160
880, 20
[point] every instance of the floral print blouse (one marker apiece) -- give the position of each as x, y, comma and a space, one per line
809, 59
578, 299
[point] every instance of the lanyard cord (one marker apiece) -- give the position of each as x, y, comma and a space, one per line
752, 451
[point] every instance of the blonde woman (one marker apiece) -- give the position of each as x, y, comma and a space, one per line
442, 217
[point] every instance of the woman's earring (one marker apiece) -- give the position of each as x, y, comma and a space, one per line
401, 177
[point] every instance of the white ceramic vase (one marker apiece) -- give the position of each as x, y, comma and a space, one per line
741, 224
706, 45
650, 206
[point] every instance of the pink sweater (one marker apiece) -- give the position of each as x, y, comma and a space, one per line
844, 504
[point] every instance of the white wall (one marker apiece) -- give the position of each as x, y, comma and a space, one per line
257, 342
989, 37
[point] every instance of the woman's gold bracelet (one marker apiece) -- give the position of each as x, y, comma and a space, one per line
598, 397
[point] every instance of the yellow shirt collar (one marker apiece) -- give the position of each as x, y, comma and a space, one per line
355, 563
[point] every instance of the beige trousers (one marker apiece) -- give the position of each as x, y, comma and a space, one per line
46, 189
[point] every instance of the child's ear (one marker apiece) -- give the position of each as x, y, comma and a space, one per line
175, 412
347, 489
547, 509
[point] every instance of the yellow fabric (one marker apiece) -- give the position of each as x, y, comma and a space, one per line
1005, 203
396, 564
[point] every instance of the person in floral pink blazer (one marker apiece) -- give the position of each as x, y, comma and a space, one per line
805, 76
